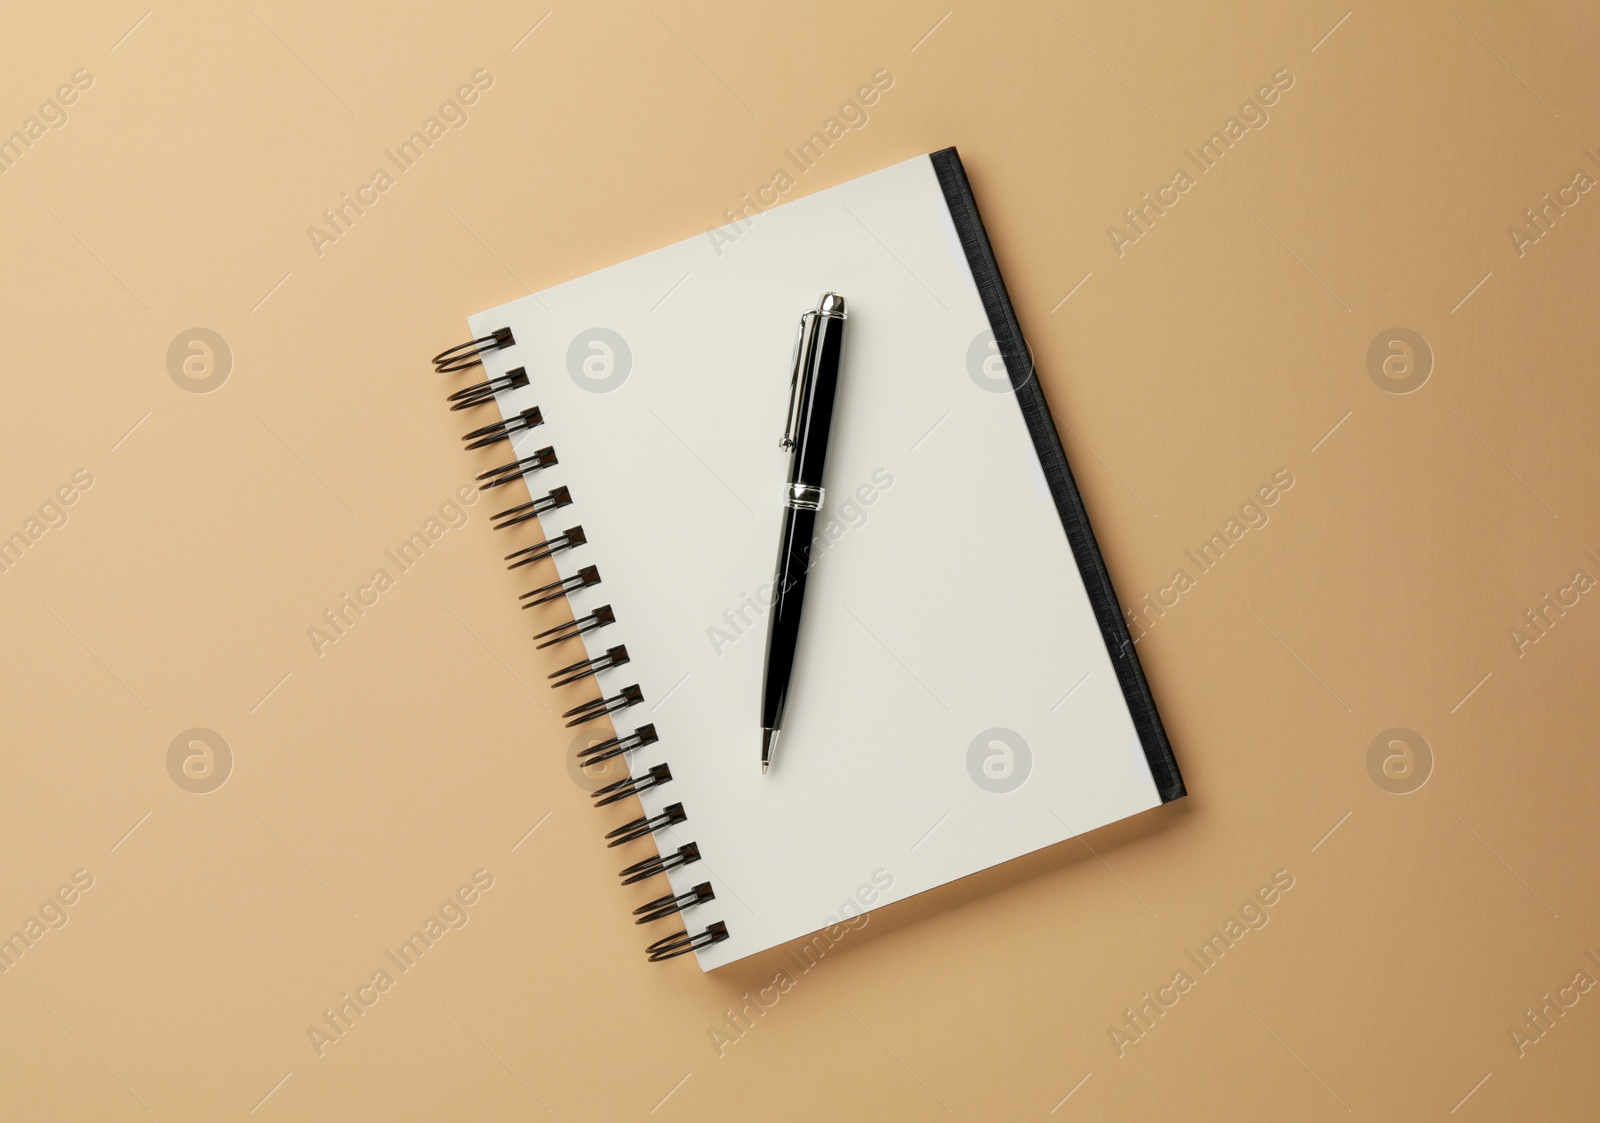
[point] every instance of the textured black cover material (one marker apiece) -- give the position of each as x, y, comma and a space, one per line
1074, 519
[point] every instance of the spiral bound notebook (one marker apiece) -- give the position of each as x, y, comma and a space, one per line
965, 692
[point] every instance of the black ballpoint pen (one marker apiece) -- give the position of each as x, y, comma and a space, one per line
813, 381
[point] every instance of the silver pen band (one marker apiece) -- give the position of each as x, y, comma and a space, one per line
804, 497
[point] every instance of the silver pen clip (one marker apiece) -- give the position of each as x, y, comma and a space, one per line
802, 351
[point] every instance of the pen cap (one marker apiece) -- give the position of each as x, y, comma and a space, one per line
820, 377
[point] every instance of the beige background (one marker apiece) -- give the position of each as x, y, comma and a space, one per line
368, 782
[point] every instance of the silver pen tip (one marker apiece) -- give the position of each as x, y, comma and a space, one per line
769, 748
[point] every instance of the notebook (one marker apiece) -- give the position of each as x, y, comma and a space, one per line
965, 690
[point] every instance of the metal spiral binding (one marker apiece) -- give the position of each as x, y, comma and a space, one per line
605, 750
569, 539
663, 907
485, 391
599, 618
544, 594
584, 668
600, 707
529, 418
645, 824
684, 855
681, 943
461, 358
632, 785
471, 353
514, 516
517, 469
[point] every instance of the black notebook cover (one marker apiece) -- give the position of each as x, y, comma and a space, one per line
1069, 503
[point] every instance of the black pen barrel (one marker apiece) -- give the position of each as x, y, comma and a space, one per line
783, 620
817, 423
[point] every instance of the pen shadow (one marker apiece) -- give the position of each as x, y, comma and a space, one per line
893, 922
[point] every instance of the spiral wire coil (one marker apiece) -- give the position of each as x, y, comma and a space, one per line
464, 357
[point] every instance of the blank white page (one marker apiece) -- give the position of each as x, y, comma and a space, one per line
945, 604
